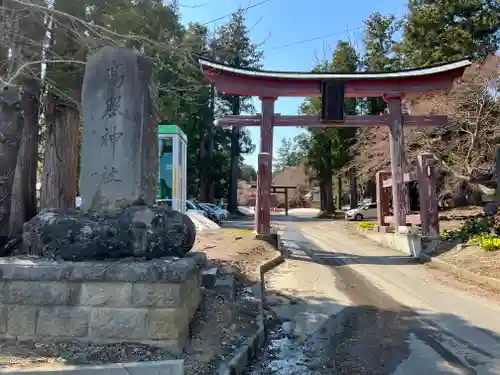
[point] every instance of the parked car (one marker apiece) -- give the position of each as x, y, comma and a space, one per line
190, 206
223, 213
211, 213
216, 211
365, 211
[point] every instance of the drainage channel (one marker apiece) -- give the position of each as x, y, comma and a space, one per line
286, 354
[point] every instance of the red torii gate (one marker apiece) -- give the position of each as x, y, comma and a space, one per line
333, 88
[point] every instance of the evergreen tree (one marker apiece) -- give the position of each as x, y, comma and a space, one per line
287, 155
380, 52
31, 28
62, 114
438, 31
234, 47
248, 173
345, 60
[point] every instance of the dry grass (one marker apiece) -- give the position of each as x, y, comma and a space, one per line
237, 249
475, 259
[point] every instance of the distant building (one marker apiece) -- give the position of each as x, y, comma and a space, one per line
314, 195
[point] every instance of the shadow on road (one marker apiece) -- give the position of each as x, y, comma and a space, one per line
369, 339
340, 259
247, 222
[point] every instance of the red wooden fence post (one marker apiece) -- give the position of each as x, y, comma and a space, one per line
382, 197
262, 209
429, 214
399, 188
424, 193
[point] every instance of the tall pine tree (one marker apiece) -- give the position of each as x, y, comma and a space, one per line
345, 60
438, 31
328, 150
234, 47
380, 52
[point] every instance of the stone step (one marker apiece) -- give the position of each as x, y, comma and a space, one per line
225, 287
209, 277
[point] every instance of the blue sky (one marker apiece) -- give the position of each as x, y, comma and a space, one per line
294, 35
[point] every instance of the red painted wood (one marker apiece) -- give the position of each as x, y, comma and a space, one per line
429, 214
262, 208
424, 193
399, 189
429, 164
315, 121
407, 177
266, 125
257, 86
266, 131
382, 197
264, 180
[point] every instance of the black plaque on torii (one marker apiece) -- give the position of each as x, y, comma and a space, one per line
332, 100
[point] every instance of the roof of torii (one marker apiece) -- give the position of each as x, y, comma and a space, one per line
254, 82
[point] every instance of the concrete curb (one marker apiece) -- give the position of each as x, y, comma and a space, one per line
172, 367
457, 271
250, 348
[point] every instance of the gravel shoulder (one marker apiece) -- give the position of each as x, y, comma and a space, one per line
474, 259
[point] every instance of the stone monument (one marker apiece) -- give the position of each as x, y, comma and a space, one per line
118, 177
119, 147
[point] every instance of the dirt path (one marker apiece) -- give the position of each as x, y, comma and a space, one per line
237, 249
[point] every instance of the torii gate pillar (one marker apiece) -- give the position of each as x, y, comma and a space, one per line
398, 161
265, 171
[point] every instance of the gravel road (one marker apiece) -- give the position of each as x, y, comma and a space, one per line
386, 329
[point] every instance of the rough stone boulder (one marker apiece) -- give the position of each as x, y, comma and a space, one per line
136, 231
491, 209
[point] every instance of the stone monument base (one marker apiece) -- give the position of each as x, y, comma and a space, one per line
136, 231
148, 302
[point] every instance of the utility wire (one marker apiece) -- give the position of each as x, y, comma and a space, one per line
230, 14
315, 38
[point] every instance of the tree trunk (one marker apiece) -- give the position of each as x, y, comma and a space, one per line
232, 204
210, 167
203, 193
329, 206
23, 204
28, 47
371, 189
59, 178
339, 192
11, 127
60, 169
210, 150
206, 157
322, 196
353, 188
